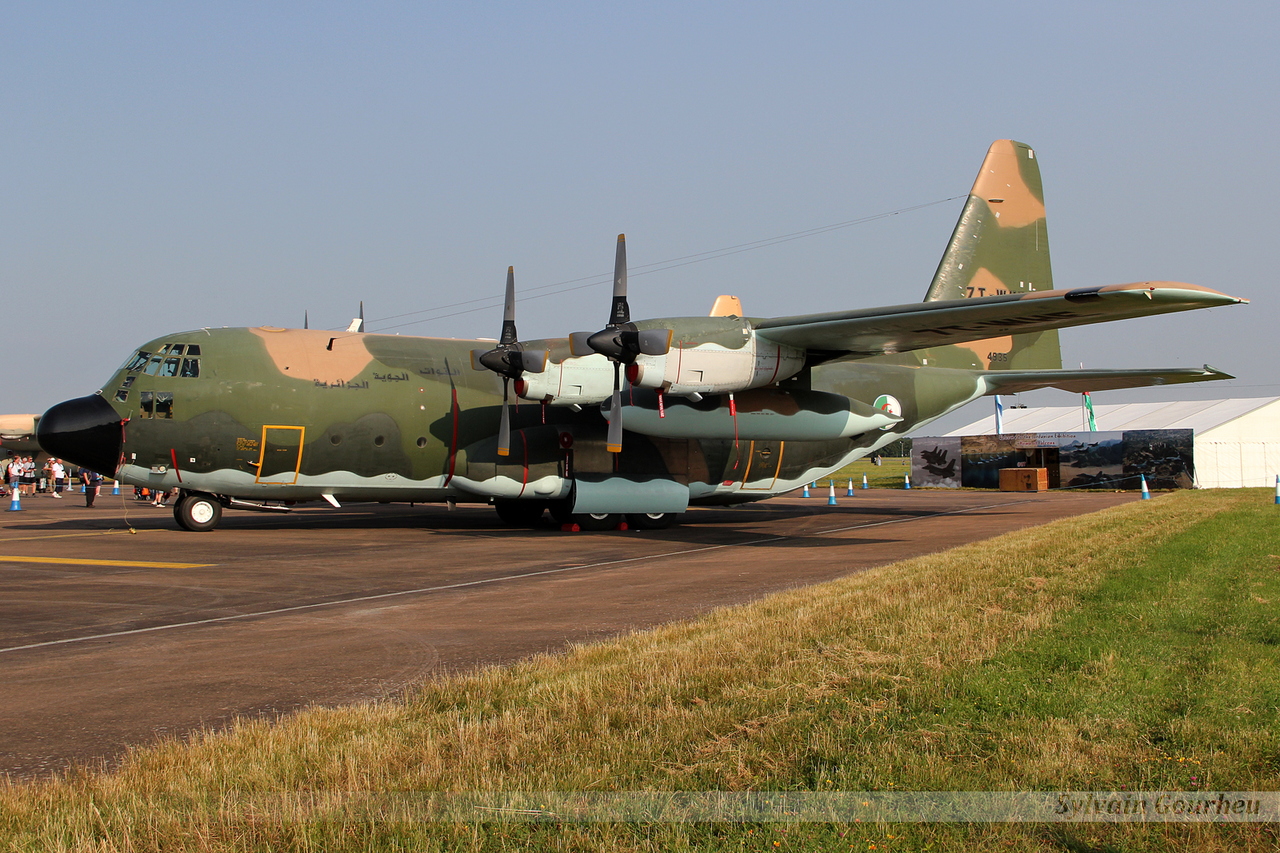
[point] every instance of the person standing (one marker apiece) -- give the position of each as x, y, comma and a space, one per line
13, 474
28, 476
57, 476
92, 482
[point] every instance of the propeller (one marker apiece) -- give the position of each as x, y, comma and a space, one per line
509, 360
620, 342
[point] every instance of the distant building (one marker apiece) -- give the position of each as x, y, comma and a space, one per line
1222, 444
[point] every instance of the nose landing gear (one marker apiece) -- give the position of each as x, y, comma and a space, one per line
196, 511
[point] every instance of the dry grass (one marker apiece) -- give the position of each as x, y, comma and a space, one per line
821, 688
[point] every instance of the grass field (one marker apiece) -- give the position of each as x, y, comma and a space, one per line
1136, 648
888, 475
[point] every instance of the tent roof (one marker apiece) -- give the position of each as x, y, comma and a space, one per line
1198, 415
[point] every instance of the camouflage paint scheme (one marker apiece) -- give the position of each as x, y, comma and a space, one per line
295, 414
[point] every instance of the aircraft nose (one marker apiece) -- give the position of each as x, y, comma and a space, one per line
85, 431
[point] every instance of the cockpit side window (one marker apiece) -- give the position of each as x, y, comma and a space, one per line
137, 361
190, 368
193, 349
164, 404
169, 367
146, 404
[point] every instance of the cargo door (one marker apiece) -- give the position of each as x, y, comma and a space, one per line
281, 456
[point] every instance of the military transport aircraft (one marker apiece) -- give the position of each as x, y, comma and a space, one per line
638, 420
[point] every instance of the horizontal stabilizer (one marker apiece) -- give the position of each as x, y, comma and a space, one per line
1080, 381
902, 328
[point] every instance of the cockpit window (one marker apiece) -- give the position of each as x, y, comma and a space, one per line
164, 404
166, 361
137, 361
146, 404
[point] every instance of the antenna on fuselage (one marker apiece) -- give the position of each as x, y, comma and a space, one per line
306, 324
357, 323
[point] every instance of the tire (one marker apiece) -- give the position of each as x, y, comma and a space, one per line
520, 513
197, 512
562, 511
597, 521
651, 520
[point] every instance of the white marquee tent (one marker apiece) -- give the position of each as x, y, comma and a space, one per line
1237, 442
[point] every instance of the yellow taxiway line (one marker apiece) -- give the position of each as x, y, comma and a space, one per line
75, 561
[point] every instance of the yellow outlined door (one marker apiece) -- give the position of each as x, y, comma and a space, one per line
763, 464
281, 456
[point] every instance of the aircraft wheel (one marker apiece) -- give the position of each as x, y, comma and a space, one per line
197, 512
562, 511
520, 513
598, 520
651, 520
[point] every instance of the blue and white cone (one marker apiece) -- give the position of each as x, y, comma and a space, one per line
804, 493
1146, 493
15, 499
849, 493
906, 481
115, 488
864, 481
831, 493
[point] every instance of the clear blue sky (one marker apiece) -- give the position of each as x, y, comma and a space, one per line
169, 166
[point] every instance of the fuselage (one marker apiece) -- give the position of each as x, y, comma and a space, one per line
267, 414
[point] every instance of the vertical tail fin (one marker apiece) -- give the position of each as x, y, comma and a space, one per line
1000, 246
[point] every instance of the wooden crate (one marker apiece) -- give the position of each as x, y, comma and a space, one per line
1024, 479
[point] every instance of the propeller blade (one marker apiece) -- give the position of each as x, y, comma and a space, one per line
504, 425
654, 341
614, 441
534, 362
620, 313
507, 358
508, 336
578, 345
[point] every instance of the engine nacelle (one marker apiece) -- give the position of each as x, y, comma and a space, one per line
583, 380
711, 368
708, 355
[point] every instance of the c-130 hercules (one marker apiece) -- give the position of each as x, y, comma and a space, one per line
639, 420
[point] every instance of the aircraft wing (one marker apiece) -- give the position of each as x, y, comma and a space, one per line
902, 328
1080, 381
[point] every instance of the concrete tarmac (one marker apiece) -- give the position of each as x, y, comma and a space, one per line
117, 628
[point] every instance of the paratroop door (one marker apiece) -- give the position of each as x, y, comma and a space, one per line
281, 457
763, 463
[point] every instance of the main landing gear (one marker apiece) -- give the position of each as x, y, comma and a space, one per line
524, 513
